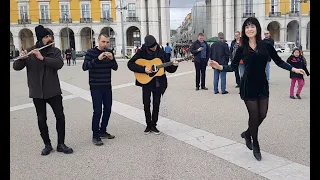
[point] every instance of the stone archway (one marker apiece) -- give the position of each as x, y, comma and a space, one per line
67, 41
87, 38
26, 37
133, 36
308, 35
274, 29
293, 31
111, 33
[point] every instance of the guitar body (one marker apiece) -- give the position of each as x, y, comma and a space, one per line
145, 78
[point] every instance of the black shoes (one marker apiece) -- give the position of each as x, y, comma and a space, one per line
247, 139
225, 92
155, 130
197, 88
256, 151
65, 149
147, 130
204, 88
106, 136
216, 92
298, 96
292, 97
47, 149
97, 141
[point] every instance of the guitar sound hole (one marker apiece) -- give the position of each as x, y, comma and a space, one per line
151, 74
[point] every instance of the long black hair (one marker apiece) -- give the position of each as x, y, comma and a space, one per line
245, 39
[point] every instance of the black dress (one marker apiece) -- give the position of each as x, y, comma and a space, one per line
254, 84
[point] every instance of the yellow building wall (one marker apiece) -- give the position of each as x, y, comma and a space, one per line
54, 11
285, 7
75, 10
14, 11
113, 10
34, 11
95, 10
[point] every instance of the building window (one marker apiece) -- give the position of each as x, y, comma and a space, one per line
44, 11
131, 9
248, 6
85, 10
294, 6
23, 11
105, 11
65, 11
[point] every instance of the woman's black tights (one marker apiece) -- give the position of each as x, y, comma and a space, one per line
257, 110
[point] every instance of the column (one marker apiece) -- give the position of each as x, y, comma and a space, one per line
17, 42
77, 42
238, 15
283, 34
304, 37
219, 17
229, 20
214, 18
57, 41
260, 14
208, 18
143, 15
164, 28
153, 18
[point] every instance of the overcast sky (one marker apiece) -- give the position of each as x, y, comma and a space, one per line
178, 11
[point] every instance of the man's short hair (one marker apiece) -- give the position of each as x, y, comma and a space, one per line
103, 34
237, 32
220, 35
266, 31
200, 34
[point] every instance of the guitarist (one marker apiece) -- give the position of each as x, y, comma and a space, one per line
157, 86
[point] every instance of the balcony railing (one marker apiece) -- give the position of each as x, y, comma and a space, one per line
24, 21
106, 20
246, 15
85, 20
294, 13
132, 19
274, 14
44, 21
65, 20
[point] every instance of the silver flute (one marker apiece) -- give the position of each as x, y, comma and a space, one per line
31, 51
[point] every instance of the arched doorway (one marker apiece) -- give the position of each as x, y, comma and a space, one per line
133, 36
293, 31
66, 41
87, 38
26, 37
308, 35
274, 29
110, 32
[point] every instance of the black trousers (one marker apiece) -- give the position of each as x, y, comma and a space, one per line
68, 61
237, 75
201, 72
151, 119
41, 108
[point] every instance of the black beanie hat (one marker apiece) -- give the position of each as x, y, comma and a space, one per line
41, 32
150, 41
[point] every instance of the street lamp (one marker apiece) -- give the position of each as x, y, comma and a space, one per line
67, 20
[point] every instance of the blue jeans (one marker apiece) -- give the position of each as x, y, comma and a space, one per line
268, 70
241, 69
223, 76
100, 97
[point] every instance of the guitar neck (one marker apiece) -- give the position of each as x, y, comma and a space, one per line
169, 63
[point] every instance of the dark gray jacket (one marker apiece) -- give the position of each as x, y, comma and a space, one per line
219, 52
43, 80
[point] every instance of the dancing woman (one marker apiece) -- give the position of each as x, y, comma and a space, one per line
254, 87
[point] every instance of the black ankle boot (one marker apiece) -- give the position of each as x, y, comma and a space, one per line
65, 149
247, 139
256, 151
47, 149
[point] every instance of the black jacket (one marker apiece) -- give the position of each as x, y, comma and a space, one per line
197, 54
43, 80
298, 63
157, 82
270, 41
219, 52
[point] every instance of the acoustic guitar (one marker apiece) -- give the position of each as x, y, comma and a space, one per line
157, 67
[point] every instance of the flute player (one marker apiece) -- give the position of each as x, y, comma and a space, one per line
44, 86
